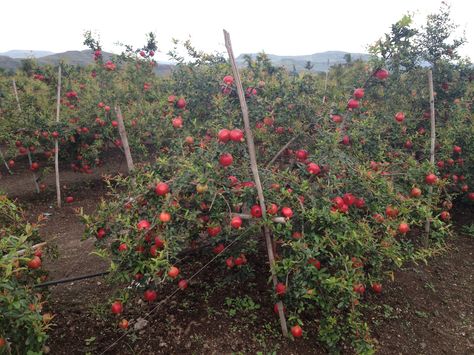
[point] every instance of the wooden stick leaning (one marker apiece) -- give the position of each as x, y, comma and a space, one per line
432, 149
326, 83
56, 144
124, 138
33, 247
5, 162
256, 176
35, 178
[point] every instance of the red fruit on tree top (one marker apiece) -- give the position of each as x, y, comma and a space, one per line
123, 324
415, 192
173, 272
313, 168
213, 231
381, 74
399, 116
352, 103
316, 263
183, 284
296, 331
301, 155
359, 288
230, 262
359, 93
272, 209
336, 118
218, 248
226, 159
101, 233
236, 222
162, 188
181, 103
256, 211
117, 307
223, 135
445, 216
349, 199
165, 217
391, 212
34, 263
287, 212
431, 179
228, 79
403, 228
177, 122
377, 287
150, 295
280, 289
143, 225
236, 135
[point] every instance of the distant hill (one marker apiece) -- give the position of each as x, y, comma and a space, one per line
80, 58
9, 64
85, 57
318, 60
23, 53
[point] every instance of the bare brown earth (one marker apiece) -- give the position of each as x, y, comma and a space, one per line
428, 309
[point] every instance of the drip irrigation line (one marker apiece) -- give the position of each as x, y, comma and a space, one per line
71, 279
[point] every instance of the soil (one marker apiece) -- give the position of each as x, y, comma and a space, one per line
427, 309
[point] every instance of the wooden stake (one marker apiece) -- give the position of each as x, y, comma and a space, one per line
256, 176
5, 162
56, 144
123, 137
326, 83
35, 178
16, 95
33, 247
432, 149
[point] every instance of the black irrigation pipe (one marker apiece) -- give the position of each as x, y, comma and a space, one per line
103, 273
70, 279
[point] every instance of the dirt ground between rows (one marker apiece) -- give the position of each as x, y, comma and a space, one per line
428, 309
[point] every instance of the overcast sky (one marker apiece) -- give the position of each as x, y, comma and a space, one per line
291, 27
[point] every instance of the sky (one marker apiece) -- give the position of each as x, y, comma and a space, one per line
291, 27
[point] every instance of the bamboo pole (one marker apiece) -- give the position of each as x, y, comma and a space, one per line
124, 138
432, 149
256, 176
56, 142
35, 178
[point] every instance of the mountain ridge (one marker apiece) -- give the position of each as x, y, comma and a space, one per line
321, 61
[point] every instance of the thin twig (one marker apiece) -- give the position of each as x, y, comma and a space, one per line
281, 151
